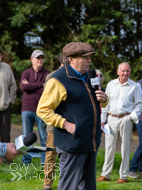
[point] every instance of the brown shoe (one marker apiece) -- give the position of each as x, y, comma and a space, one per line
46, 187
122, 181
102, 178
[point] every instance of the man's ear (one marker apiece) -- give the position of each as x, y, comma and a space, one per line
31, 59
70, 58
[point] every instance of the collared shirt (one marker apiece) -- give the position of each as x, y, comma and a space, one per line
123, 98
3, 149
80, 75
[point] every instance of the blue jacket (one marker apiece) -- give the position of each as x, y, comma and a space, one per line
81, 108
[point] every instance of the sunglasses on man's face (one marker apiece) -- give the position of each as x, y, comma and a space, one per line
40, 57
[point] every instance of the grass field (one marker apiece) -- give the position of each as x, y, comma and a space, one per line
17, 177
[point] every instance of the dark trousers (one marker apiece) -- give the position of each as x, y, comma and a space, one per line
5, 125
137, 158
77, 170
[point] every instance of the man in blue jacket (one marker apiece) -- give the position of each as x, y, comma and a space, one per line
73, 108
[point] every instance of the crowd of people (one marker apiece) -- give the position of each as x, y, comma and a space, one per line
69, 111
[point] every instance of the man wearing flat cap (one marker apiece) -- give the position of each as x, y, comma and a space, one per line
73, 108
32, 81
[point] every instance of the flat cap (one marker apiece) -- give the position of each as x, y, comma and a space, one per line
77, 48
36, 53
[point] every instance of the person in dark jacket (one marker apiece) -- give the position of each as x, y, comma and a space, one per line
136, 163
32, 85
73, 108
50, 157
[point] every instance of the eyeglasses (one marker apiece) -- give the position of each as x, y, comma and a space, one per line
40, 57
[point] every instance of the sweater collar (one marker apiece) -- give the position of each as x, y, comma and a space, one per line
38, 71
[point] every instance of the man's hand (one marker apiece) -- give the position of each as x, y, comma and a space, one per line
11, 152
70, 127
101, 96
24, 81
102, 125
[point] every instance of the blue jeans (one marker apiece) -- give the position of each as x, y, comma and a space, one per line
28, 120
137, 158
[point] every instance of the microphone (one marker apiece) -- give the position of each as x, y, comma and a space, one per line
91, 73
30, 139
23, 142
94, 79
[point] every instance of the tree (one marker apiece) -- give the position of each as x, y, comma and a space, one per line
113, 28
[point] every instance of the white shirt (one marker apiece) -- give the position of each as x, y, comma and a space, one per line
123, 98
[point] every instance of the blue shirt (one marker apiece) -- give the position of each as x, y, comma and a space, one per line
80, 75
3, 149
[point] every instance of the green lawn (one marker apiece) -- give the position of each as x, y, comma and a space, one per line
17, 177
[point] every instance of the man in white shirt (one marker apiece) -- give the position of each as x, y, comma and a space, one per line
125, 104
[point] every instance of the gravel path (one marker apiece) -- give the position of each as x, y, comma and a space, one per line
16, 130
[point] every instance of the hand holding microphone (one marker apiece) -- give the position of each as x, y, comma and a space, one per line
96, 85
11, 152
101, 96
24, 144
94, 79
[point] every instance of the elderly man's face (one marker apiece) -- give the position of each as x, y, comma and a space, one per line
37, 62
80, 63
124, 73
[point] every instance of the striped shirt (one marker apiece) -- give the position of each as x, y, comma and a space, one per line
3, 149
